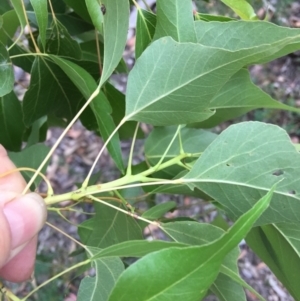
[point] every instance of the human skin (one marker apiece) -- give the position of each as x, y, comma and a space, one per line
21, 218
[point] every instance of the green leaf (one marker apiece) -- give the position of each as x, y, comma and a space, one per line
4, 7
209, 18
239, 90
98, 288
11, 122
80, 8
145, 28
244, 162
21, 60
117, 102
185, 98
95, 13
59, 42
240, 35
193, 141
112, 226
6, 72
100, 105
194, 233
10, 26
115, 29
41, 13
242, 8
18, 6
30, 157
52, 93
175, 19
159, 210
157, 276
278, 246
136, 248
38, 131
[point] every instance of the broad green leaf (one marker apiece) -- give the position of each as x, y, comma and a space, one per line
11, 122
59, 42
159, 210
52, 93
278, 246
242, 8
98, 288
41, 13
157, 276
30, 157
244, 34
100, 105
244, 162
94, 9
194, 233
6, 72
137, 248
185, 98
10, 26
175, 19
4, 7
112, 226
239, 90
145, 28
115, 27
18, 6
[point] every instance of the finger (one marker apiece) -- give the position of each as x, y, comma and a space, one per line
23, 263
20, 220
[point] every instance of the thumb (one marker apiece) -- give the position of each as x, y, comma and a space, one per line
20, 220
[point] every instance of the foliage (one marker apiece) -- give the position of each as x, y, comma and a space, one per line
191, 74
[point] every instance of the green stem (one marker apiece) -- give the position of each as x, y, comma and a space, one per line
119, 183
56, 276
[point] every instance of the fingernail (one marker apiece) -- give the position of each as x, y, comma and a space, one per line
26, 215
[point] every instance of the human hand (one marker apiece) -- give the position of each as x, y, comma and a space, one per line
21, 217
